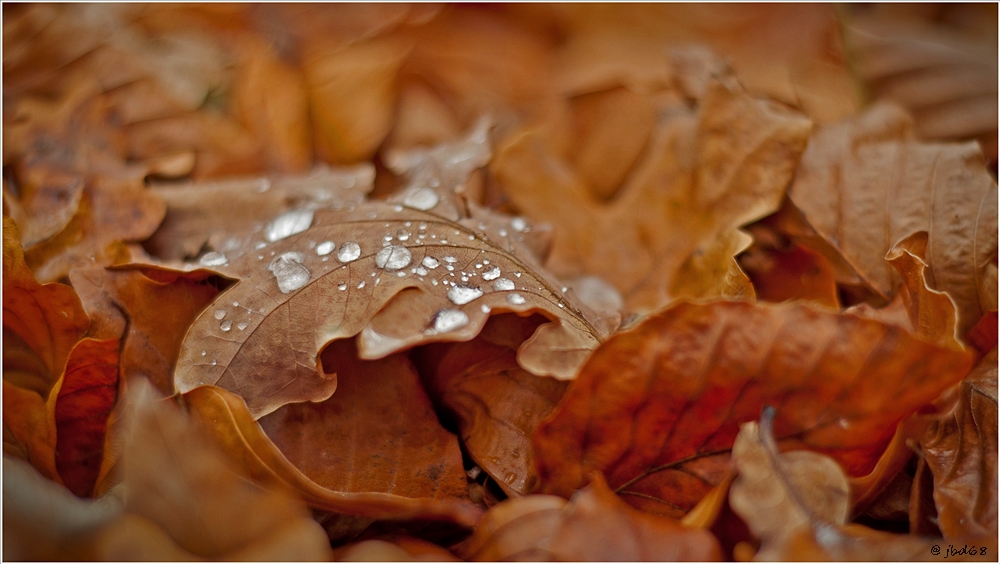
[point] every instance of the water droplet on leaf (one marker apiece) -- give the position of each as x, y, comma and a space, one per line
515, 299
349, 251
220, 313
421, 199
289, 272
214, 259
393, 257
449, 319
325, 248
491, 274
288, 224
460, 294
503, 285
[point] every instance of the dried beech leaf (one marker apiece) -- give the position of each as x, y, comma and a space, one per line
40, 322
657, 408
961, 453
208, 211
703, 176
29, 430
796, 504
149, 309
242, 438
496, 403
865, 184
203, 506
262, 336
86, 395
594, 526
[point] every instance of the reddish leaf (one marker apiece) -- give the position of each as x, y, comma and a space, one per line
87, 394
657, 408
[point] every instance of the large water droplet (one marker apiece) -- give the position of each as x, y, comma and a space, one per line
460, 294
214, 259
491, 274
421, 199
503, 285
226, 325
393, 257
325, 248
449, 319
288, 224
289, 271
220, 313
349, 251
515, 299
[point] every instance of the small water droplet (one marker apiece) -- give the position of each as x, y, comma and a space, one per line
421, 198
484, 308
342, 286
503, 232
236, 304
450, 259
377, 280
403, 235
226, 325
204, 352
491, 274
518, 274
397, 208
325, 248
449, 319
260, 245
518, 224
214, 362
562, 305
214, 259
503, 285
393, 257
349, 252
420, 271
400, 274
361, 284
515, 299
288, 224
264, 186
220, 313
289, 272
242, 325
460, 294
510, 477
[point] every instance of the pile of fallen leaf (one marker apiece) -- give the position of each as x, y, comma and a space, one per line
499, 282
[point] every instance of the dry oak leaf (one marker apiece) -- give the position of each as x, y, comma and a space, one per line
797, 503
865, 184
496, 403
313, 277
593, 526
148, 308
961, 453
657, 408
244, 441
673, 229
41, 323
175, 478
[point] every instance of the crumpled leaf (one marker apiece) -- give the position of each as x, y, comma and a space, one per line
703, 176
207, 212
149, 309
197, 499
245, 442
657, 408
265, 342
41, 323
593, 526
961, 453
797, 504
86, 395
496, 403
865, 184
944, 72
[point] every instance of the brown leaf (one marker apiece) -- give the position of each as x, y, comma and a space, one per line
242, 438
292, 300
394, 549
865, 184
195, 497
702, 177
961, 453
593, 526
86, 395
796, 503
40, 322
29, 430
662, 424
944, 74
149, 309
496, 403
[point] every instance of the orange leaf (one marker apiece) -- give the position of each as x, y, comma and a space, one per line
87, 394
661, 425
